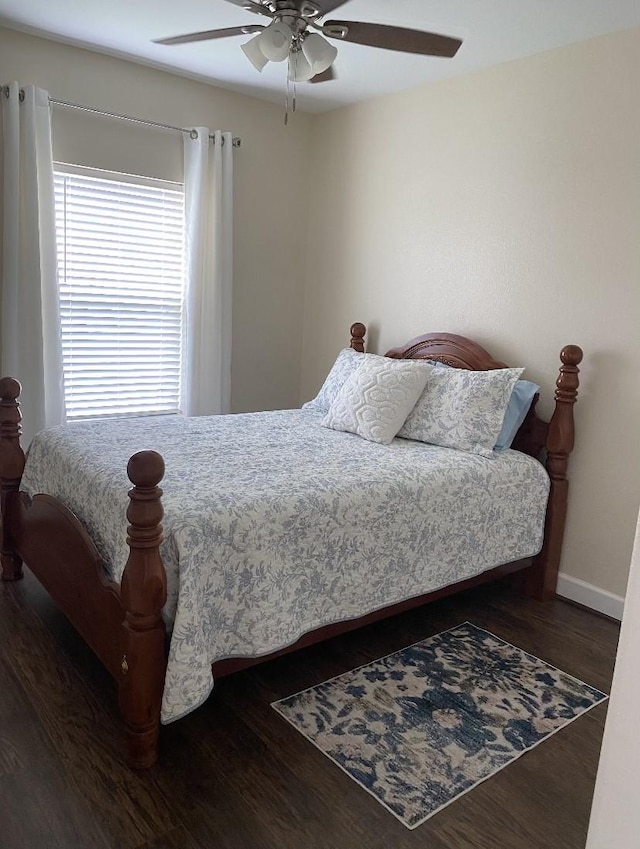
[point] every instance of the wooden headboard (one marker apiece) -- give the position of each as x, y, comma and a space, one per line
460, 352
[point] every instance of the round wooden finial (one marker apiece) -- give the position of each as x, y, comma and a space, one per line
358, 330
571, 355
10, 389
145, 469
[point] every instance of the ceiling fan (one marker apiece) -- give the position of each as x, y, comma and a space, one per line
296, 33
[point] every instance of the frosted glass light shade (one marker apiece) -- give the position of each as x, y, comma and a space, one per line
253, 52
275, 41
318, 53
299, 69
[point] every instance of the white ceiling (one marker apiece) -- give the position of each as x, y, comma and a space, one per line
493, 31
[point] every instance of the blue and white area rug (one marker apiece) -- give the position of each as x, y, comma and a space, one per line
424, 725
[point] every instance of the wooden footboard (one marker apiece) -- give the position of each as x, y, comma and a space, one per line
62, 556
122, 623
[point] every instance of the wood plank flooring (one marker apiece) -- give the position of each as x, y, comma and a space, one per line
234, 775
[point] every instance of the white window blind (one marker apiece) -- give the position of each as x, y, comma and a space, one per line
121, 276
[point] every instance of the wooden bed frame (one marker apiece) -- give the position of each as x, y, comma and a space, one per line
123, 623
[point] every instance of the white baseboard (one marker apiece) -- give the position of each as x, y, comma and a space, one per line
590, 596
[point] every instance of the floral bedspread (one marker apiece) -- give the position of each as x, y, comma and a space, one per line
275, 525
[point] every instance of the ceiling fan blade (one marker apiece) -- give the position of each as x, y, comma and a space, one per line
394, 38
209, 33
325, 76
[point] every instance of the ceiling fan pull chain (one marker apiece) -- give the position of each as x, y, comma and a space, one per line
287, 101
291, 87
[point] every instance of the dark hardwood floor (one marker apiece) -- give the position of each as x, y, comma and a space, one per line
234, 775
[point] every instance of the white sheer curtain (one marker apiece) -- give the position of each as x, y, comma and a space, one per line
31, 342
208, 174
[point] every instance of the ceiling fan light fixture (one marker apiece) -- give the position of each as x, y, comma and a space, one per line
275, 41
300, 70
253, 51
319, 53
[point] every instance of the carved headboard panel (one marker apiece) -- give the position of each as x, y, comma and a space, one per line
457, 351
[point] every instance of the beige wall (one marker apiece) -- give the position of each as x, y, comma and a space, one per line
504, 205
269, 180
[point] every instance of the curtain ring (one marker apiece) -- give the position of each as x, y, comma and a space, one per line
6, 90
193, 134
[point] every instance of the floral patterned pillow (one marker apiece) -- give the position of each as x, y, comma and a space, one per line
462, 409
347, 362
377, 398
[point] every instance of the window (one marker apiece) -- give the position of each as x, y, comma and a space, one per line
120, 246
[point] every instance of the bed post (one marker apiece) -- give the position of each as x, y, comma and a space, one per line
11, 468
143, 594
358, 331
541, 579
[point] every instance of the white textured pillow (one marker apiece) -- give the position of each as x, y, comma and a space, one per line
377, 398
462, 409
347, 362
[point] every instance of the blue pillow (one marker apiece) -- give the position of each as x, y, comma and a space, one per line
523, 394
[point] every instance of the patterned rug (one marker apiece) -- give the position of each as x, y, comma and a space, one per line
424, 725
